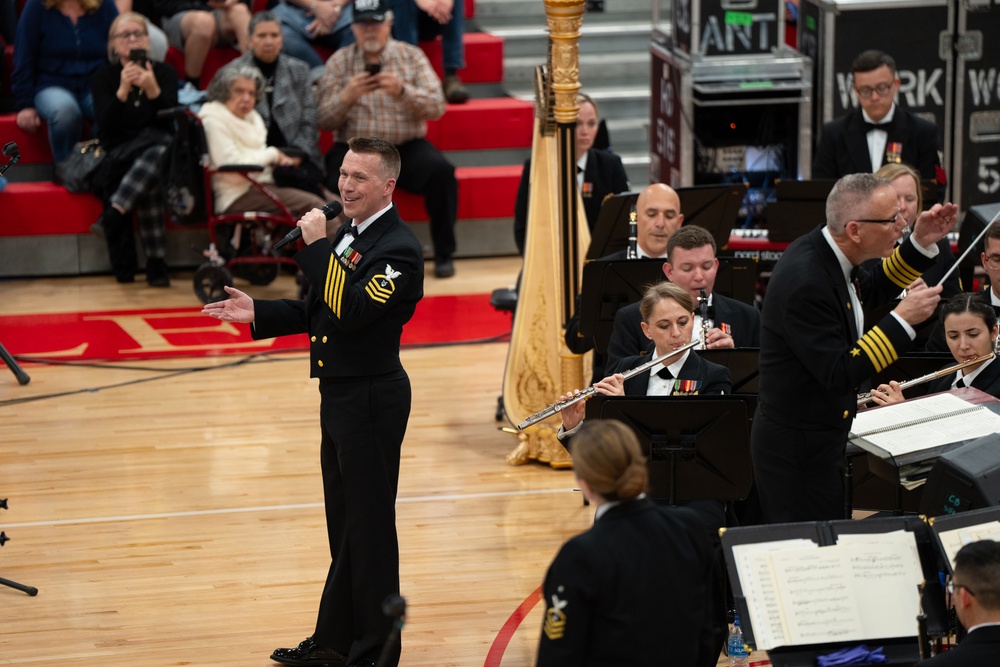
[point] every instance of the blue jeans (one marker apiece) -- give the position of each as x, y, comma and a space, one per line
297, 42
411, 25
64, 113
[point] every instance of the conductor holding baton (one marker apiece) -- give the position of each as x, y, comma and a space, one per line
364, 286
816, 348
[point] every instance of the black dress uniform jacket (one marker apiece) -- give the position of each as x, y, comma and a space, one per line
812, 361
988, 380
712, 378
354, 313
605, 175
631, 591
627, 338
978, 649
843, 147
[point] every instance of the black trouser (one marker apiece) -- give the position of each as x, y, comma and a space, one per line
363, 423
424, 171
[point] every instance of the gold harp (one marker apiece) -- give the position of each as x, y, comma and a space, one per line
539, 365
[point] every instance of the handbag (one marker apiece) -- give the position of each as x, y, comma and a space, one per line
76, 171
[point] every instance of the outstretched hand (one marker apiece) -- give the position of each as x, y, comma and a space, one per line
237, 308
934, 224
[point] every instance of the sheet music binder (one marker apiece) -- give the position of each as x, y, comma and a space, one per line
899, 650
977, 400
982, 523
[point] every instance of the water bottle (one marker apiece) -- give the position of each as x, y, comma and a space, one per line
735, 648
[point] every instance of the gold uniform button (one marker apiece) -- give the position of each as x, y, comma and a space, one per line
845, 411
313, 339
324, 339
320, 362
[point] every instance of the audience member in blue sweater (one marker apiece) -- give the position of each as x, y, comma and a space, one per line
60, 44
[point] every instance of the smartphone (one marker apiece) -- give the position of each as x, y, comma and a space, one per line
138, 56
373, 68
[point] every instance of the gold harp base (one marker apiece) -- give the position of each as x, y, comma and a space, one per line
540, 445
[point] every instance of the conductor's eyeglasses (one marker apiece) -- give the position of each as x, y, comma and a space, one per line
883, 222
952, 587
864, 92
993, 261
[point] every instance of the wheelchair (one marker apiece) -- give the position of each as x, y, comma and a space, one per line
241, 242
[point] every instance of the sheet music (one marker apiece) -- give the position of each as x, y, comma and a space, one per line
931, 431
864, 587
953, 540
753, 566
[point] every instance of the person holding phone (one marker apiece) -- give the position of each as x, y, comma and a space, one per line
385, 88
128, 93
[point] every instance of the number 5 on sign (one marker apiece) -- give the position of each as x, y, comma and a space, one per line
989, 175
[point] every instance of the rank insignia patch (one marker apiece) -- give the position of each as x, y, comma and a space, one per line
381, 287
555, 619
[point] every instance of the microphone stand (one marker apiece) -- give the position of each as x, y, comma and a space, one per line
30, 590
22, 377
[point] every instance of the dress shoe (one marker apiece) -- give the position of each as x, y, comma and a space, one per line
454, 91
363, 663
156, 272
308, 654
444, 268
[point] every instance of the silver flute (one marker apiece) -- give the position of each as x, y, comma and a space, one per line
867, 396
558, 407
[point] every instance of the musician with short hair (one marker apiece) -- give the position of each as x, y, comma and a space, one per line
816, 349
990, 257
974, 590
692, 264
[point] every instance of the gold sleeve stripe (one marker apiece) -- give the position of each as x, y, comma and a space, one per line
899, 271
333, 291
879, 349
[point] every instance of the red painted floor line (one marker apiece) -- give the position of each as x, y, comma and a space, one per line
499, 646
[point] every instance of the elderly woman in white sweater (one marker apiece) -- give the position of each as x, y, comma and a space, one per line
236, 135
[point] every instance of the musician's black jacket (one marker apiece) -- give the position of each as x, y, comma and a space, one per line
632, 590
712, 378
988, 380
977, 649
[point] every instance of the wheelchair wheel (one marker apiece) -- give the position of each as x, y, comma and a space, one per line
257, 273
209, 281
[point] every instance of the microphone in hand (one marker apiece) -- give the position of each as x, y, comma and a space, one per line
331, 211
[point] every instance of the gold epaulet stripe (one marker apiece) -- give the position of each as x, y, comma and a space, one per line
878, 348
333, 292
898, 270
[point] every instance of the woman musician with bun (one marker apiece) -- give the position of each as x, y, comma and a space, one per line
970, 329
668, 320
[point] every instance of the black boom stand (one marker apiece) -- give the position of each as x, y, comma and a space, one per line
10, 151
30, 590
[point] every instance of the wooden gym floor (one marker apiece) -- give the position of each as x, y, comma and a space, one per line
170, 511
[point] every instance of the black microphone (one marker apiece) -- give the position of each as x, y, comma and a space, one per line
10, 151
331, 211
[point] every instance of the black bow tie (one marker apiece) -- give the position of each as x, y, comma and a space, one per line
665, 373
885, 126
349, 228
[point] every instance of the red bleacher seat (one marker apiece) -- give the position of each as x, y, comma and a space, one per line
483, 124
34, 146
41, 209
483, 58
483, 193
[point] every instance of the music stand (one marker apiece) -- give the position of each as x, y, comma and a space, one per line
697, 447
714, 207
11, 151
607, 286
742, 363
798, 208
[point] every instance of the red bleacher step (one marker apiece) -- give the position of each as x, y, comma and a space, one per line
483, 193
41, 209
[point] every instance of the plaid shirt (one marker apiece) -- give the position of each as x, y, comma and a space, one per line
378, 114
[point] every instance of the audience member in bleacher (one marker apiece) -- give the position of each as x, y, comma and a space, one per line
195, 27
635, 588
423, 20
599, 173
128, 93
236, 134
60, 44
157, 38
306, 24
287, 107
395, 104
